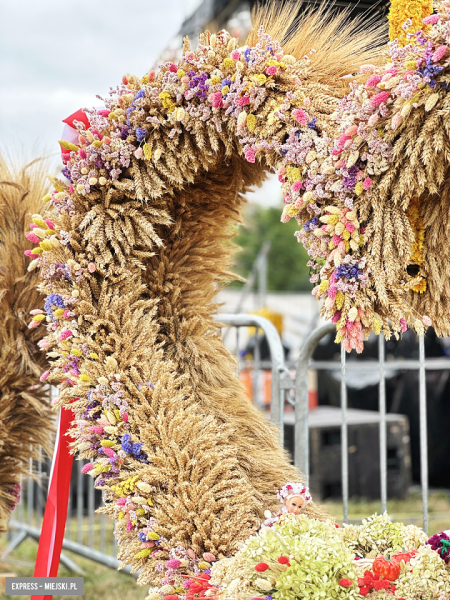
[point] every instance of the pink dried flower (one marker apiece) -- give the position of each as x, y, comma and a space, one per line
426, 321
91, 267
367, 69
379, 98
34, 324
151, 75
36, 311
403, 325
139, 153
373, 81
350, 227
129, 526
235, 55
250, 155
336, 240
82, 153
392, 71
396, 120
121, 502
173, 68
351, 131
33, 225
125, 418
96, 429
439, 53
343, 139
432, 19
335, 318
366, 185
173, 563
216, 100
108, 451
32, 237
65, 334
209, 557
43, 344
44, 375
243, 101
50, 224
87, 467
359, 175
307, 102
300, 116
296, 186
271, 70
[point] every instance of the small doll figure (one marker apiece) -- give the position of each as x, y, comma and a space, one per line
293, 498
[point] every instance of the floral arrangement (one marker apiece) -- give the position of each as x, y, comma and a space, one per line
350, 194
341, 165
303, 558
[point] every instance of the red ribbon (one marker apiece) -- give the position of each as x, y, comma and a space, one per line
55, 516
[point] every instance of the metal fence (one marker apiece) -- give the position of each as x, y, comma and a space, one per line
90, 534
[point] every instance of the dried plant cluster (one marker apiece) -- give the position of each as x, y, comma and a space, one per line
135, 246
25, 413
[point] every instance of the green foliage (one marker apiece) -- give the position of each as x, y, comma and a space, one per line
287, 270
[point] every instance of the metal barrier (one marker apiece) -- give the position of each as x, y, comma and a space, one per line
301, 408
277, 364
94, 532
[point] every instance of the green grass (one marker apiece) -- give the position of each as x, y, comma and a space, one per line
102, 583
407, 511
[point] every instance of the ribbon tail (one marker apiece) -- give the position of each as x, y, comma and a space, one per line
55, 516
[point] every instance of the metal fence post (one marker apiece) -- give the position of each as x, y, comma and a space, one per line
344, 436
383, 438
423, 432
277, 358
301, 432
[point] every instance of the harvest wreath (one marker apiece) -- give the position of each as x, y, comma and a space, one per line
133, 248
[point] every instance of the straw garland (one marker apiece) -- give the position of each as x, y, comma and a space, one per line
141, 245
26, 420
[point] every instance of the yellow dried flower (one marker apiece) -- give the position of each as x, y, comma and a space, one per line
147, 150
340, 300
225, 90
97, 143
85, 378
215, 80
75, 351
323, 286
228, 63
68, 146
251, 122
143, 553
359, 188
45, 245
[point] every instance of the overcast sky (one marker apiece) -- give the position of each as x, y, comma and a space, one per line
56, 55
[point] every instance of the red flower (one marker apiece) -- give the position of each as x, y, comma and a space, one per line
284, 560
261, 567
346, 582
364, 591
171, 597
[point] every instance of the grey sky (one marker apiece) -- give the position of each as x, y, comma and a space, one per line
56, 55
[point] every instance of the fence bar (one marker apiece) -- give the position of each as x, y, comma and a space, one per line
277, 358
79, 502
238, 368
91, 510
256, 372
301, 431
30, 495
423, 432
383, 439
344, 436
